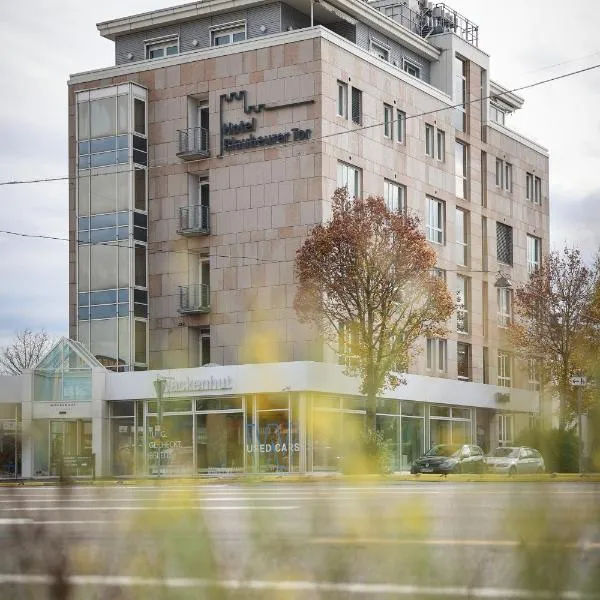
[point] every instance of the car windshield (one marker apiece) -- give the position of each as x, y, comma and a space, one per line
506, 452
443, 450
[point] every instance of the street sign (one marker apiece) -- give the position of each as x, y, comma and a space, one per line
577, 381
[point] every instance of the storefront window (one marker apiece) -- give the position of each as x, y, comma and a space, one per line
10, 441
220, 442
412, 440
449, 425
170, 445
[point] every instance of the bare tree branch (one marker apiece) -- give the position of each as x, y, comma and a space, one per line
25, 352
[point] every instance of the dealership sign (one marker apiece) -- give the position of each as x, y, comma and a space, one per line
230, 131
199, 384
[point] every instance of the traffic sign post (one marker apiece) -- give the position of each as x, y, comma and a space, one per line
579, 383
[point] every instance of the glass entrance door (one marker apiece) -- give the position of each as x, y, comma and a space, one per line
69, 439
220, 442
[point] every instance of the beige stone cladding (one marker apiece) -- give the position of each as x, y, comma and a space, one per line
381, 158
262, 203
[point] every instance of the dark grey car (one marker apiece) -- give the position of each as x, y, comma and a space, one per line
450, 458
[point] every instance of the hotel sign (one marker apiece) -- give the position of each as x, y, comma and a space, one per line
230, 131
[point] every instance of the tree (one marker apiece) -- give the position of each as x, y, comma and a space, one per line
25, 352
555, 322
365, 282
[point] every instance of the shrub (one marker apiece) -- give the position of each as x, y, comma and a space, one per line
559, 448
368, 454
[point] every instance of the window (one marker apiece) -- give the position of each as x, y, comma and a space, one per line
504, 307
228, 35
411, 68
462, 237
460, 94
504, 369
139, 116
438, 273
462, 304
394, 196
380, 51
463, 361
484, 176
460, 166
496, 114
537, 196
356, 106
429, 140
534, 253
529, 186
506, 426
499, 173
388, 121
533, 374
400, 126
342, 101
350, 178
437, 359
486, 367
161, 48
441, 145
204, 346
508, 177
436, 220
504, 243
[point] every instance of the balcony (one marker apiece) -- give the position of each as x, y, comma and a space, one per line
192, 143
193, 220
194, 299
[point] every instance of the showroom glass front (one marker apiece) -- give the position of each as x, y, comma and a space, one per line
205, 436
10, 440
449, 425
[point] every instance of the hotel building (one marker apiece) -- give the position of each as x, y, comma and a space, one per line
198, 164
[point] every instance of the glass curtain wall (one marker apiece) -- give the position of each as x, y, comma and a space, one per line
10, 440
449, 425
112, 224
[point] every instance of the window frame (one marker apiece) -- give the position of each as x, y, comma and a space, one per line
529, 187
505, 306
510, 232
356, 174
400, 199
499, 173
437, 355
342, 99
358, 120
377, 49
388, 121
462, 241
440, 149
400, 126
508, 177
230, 29
505, 369
506, 424
409, 65
436, 228
469, 360
162, 43
534, 243
462, 178
537, 190
429, 140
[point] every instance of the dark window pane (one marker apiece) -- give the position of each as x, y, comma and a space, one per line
122, 409
413, 409
140, 342
439, 411
140, 266
140, 310
103, 297
104, 311
140, 296
140, 234
140, 143
103, 145
140, 189
139, 157
218, 404
140, 219
139, 116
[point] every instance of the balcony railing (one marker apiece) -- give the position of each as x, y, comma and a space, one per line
192, 143
194, 220
194, 298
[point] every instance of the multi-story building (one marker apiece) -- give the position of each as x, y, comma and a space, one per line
201, 160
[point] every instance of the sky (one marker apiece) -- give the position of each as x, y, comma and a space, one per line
43, 42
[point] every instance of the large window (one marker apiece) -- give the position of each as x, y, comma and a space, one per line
228, 35
460, 93
504, 369
534, 253
504, 243
460, 162
504, 175
436, 218
437, 359
449, 425
161, 48
506, 427
379, 50
394, 196
350, 178
462, 237
462, 304
504, 307
342, 100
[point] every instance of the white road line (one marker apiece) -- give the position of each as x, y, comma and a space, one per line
143, 508
16, 521
369, 589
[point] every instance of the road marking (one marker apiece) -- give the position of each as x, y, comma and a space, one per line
425, 542
15, 521
142, 508
369, 589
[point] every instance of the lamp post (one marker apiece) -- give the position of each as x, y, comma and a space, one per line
159, 386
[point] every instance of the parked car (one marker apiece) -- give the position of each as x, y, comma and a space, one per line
512, 460
450, 458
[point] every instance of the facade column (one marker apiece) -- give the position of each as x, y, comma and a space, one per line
26, 433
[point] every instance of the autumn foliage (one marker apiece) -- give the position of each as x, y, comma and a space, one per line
365, 282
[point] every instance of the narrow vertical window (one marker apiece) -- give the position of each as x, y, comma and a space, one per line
537, 197
342, 102
462, 237
508, 177
499, 172
441, 145
388, 118
356, 106
394, 196
534, 253
462, 304
529, 186
435, 220
400, 126
504, 307
429, 140
460, 159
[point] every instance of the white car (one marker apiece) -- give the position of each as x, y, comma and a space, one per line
513, 460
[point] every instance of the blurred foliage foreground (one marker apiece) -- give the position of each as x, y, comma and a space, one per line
270, 542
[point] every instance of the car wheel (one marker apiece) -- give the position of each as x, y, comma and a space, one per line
512, 471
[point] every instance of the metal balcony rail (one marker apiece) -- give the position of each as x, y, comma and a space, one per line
194, 298
194, 220
192, 143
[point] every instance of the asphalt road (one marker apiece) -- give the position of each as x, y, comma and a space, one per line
331, 540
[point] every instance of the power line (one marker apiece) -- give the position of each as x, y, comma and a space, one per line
334, 134
187, 252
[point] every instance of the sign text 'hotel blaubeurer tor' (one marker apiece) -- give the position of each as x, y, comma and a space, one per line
228, 130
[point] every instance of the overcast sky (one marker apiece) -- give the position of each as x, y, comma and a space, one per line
43, 42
